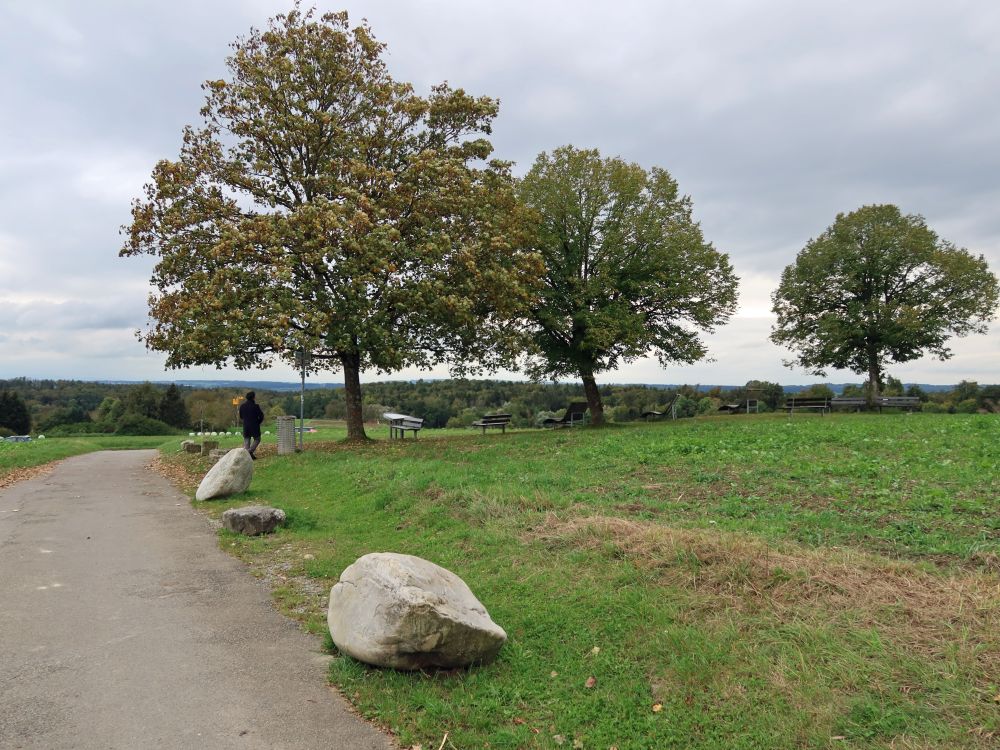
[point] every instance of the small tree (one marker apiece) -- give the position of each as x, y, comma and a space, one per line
325, 206
172, 410
144, 400
627, 270
877, 287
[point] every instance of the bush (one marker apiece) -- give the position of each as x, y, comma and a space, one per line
686, 407
5, 432
136, 424
967, 406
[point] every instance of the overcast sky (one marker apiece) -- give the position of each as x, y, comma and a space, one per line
773, 116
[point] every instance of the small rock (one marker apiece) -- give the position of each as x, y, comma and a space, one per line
208, 446
192, 447
253, 520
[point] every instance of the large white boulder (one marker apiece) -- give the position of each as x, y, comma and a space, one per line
404, 612
231, 474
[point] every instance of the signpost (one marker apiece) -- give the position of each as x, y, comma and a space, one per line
302, 357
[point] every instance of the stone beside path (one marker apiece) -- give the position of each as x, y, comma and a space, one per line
230, 475
124, 625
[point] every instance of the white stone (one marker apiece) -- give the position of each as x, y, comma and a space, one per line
253, 520
405, 612
231, 474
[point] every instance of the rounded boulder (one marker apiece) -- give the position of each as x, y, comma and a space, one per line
404, 612
231, 474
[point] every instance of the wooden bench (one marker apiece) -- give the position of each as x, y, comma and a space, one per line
889, 402
574, 415
794, 402
493, 420
400, 423
898, 402
852, 402
741, 406
670, 408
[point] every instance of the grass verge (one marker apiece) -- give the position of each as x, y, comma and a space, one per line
753, 582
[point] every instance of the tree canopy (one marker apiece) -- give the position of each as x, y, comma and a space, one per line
324, 206
879, 286
14, 413
627, 270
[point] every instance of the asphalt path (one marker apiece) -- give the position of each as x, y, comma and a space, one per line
123, 625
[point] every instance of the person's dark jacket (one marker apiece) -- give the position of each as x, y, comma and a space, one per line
252, 417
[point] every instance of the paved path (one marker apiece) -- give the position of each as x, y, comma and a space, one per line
122, 625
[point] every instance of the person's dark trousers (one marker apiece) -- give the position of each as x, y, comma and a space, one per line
250, 443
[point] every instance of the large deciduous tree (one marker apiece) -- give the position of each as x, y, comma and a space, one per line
627, 270
323, 206
877, 287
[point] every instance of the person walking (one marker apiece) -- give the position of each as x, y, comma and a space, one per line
252, 416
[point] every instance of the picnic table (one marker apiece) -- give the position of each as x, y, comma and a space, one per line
400, 423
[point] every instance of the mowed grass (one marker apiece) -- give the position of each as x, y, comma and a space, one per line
741, 582
14, 456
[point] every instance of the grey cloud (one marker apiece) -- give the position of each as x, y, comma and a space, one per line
74, 315
774, 116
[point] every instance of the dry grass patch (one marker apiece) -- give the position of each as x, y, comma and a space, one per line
22, 474
941, 616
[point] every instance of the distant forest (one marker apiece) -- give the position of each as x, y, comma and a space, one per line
61, 407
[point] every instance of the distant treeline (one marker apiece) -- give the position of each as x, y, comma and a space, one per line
57, 407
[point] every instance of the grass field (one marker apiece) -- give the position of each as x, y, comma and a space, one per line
16, 457
742, 582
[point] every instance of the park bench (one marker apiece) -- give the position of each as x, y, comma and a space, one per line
894, 402
851, 402
795, 402
898, 402
741, 406
671, 408
574, 415
493, 420
400, 423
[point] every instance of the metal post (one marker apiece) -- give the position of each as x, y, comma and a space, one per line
302, 404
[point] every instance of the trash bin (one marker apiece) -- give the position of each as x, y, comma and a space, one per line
286, 435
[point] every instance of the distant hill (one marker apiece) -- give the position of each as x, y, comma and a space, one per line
835, 387
282, 386
242, 385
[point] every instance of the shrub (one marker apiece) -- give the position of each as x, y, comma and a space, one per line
967, 406
136, 424
73, 428
686, 407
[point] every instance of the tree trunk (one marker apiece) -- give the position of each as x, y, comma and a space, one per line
352, 396
874, 381
593, 399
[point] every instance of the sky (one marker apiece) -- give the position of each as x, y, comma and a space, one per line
774, 116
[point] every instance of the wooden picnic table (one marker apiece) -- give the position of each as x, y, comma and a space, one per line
400, 423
